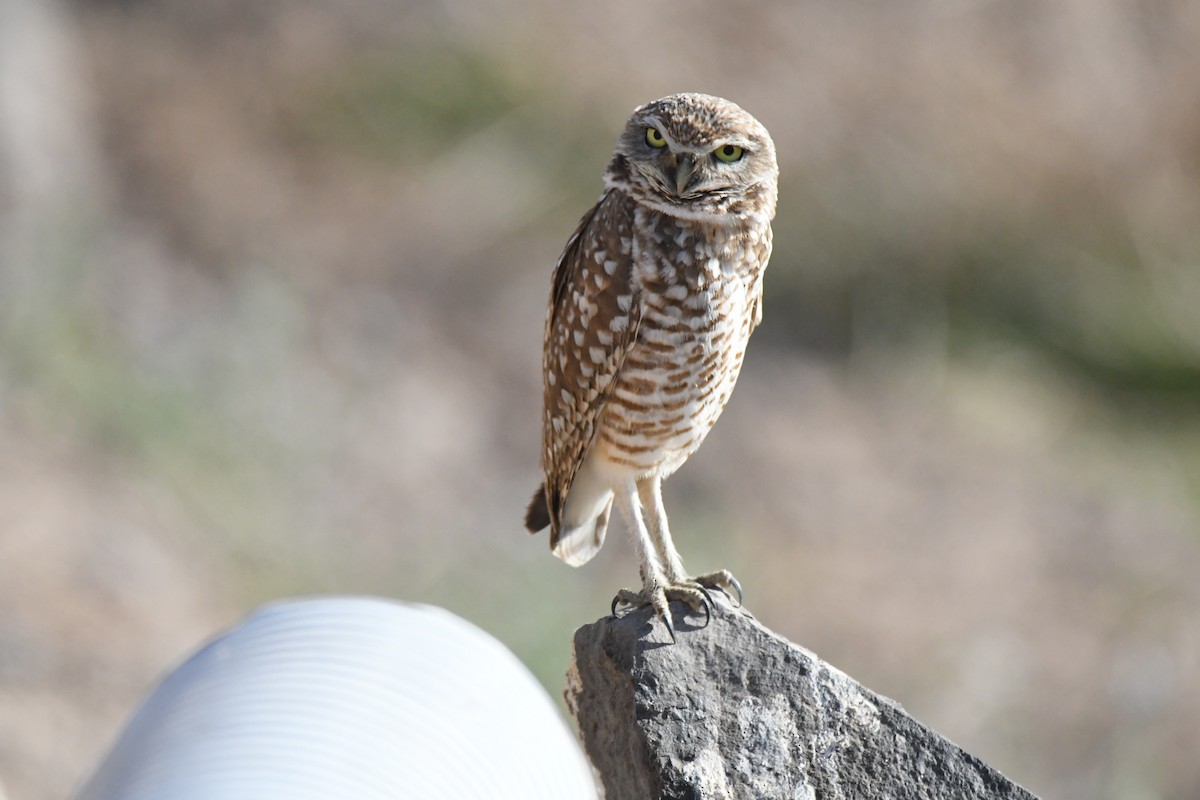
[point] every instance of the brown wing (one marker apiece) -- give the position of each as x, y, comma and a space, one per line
762, 254
592, 322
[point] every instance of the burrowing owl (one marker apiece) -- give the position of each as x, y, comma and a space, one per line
652, 304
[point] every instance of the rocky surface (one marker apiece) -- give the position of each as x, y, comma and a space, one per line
734, 711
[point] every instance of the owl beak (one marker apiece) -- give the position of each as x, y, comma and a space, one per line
685, 167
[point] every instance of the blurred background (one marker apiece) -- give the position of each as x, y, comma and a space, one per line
273, 278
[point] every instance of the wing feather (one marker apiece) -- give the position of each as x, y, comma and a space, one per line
592, 323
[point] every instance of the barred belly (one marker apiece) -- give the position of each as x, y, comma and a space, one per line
677, 379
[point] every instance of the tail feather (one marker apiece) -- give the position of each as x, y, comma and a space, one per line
537, 515
576, 544
582, 520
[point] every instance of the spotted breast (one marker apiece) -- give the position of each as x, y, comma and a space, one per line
699, 288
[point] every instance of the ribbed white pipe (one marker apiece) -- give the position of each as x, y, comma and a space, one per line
346, 698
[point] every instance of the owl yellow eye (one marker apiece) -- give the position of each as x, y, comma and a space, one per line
654, 138
729, 153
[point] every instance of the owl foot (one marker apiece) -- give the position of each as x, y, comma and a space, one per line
692, 594
722, 580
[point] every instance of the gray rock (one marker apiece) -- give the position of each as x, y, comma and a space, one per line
734, 711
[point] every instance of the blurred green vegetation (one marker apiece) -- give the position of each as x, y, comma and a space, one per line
412, 105
408, 104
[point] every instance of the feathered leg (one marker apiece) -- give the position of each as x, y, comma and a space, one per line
657, 587
650, 493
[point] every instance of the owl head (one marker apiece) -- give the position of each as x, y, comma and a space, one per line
698, 157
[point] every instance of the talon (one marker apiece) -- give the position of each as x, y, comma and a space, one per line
666, 618
737, 587
691, 593
724, 581
708, 601
626, 597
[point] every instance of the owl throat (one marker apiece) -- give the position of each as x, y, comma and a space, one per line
697, 262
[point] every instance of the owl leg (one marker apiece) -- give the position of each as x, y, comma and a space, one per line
650, 492
657, 587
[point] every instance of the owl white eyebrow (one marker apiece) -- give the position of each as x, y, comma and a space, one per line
745, 144
657, 124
